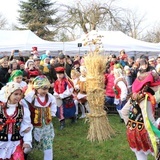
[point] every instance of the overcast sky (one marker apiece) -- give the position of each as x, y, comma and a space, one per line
151, 8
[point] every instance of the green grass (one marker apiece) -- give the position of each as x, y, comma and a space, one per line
72, 144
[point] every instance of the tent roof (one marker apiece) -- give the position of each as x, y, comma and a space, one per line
25, 40
111, 40
117, 40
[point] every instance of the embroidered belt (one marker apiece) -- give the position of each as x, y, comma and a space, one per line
134, 124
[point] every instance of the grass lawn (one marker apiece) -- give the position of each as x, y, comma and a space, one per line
72, 144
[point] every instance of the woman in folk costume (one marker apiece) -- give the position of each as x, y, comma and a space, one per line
15, 123
42, 106
138, 114
82, 95
17, 76
120, 89
63, 90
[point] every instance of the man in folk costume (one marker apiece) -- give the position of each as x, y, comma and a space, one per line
120, 89
138, 114
63, 90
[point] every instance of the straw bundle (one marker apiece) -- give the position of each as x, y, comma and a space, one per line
100, 128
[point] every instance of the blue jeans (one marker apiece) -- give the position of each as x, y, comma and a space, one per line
109, 100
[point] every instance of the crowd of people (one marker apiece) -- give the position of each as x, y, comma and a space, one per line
41, 87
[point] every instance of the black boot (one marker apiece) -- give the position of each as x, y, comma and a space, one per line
74, 119
25, 156
62, 124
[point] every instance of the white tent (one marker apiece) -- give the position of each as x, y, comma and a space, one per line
25, 40
111, 40
117, 40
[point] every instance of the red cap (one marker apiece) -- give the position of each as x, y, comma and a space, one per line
59, 69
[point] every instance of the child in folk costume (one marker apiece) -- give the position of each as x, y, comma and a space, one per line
42, 106
17, 76
82, 96
15, 123
75, 79
120, 89
63, 90
138, 114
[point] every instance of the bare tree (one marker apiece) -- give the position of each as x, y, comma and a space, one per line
3, 21
132, 23
153, 35
101, 15
92, 15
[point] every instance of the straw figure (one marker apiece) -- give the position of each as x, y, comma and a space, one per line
95, 64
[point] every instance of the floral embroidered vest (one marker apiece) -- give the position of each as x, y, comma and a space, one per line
10, 124
38, 114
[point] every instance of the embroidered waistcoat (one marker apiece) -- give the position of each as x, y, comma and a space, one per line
38, 114
10, 124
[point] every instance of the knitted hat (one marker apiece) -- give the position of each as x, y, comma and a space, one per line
10, 88
76, 62
21, 63
61, 56
27, 63
15, 73
41, 82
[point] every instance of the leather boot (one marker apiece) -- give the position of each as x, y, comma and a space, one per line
73, 119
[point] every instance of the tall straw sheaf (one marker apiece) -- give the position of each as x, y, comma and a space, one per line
100, 128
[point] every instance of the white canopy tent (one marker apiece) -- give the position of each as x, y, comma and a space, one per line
113, 41
117, 40
25, 40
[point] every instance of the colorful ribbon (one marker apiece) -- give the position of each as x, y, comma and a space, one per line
149, 129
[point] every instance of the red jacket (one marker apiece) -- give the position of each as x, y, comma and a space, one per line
109, 82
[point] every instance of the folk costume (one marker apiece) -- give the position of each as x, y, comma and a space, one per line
42, 108
138, 114
14, 120
82, 94
75, 79
120, 89
63, 89
18, 73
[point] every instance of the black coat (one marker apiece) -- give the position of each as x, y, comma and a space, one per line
4, 76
